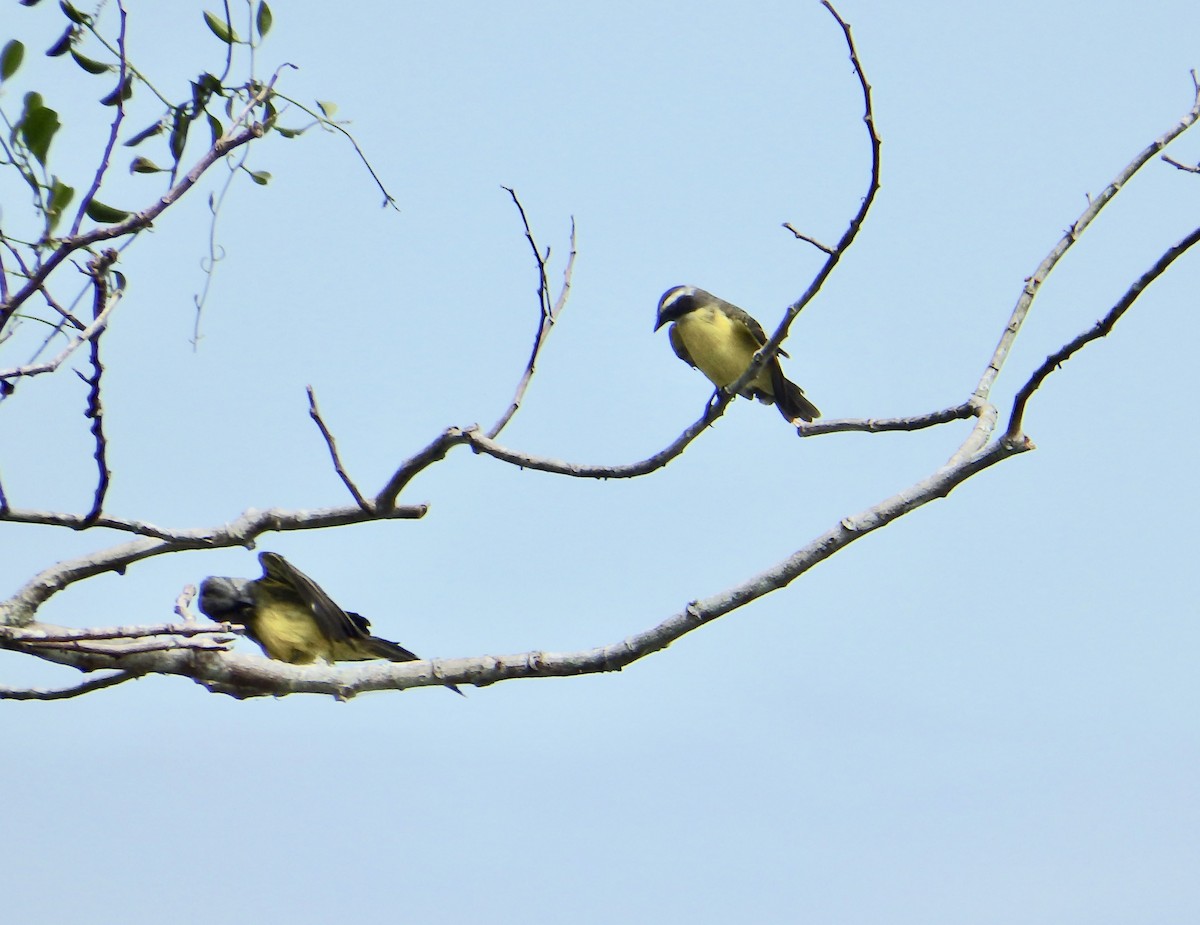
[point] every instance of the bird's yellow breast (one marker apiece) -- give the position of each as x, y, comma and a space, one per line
720, 347
290, 633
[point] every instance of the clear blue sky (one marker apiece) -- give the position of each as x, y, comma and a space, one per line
985, 713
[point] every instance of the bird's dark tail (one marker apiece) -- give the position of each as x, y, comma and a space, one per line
790, 400
394, 652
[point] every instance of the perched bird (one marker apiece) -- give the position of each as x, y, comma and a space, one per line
293, 620
720, 340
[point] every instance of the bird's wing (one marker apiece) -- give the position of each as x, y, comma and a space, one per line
377, 646
334, 623
349, 633
756, 329
679, 348
383, 648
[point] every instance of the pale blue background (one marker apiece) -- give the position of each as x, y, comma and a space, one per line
985, 713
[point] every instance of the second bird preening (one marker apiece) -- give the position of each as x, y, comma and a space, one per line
292, 618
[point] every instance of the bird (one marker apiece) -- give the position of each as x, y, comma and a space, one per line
719, 339
292, 619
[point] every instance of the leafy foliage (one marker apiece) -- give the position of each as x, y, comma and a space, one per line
235, 112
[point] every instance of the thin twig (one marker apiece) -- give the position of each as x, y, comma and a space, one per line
65, 693
216, 253
116, 649
803, 237
240, 532
92, 330
183, 604
480, 443
1100, 329
1190, 168
326, 122
315, 413
771, 347
881, 425
543, 285
65, 314
37, 635
548, 315
1050, 261
118, 118
565, 290
483, 444
98, 269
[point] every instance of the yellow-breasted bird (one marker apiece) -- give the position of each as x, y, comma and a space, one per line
293, 620
719, 339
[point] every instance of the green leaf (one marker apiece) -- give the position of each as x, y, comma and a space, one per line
10, 59
263, 19
221, 29
203, 89
144, 165
261, 177
327, 108
145, 133
60, 197
215, 127
92, 67
99, 212
120, 93
37, 127
60, 194
63, 45
210, 82
179, 131
80, 19
289, 132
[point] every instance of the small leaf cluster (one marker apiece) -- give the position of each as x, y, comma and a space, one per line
212, 101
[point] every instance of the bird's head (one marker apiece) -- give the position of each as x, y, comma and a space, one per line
226, 600
677, 302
